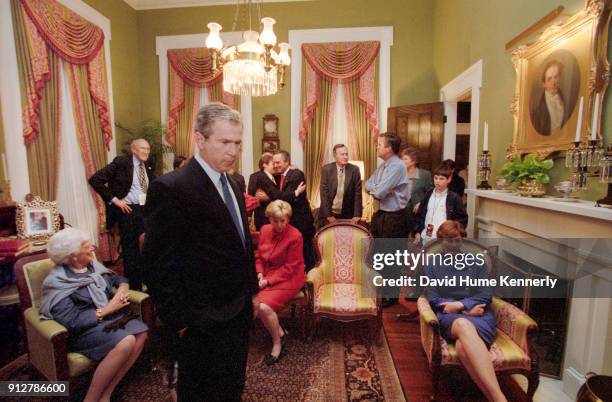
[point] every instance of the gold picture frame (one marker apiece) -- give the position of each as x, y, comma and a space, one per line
567, 61
37, 219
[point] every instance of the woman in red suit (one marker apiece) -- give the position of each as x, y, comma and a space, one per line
280, 271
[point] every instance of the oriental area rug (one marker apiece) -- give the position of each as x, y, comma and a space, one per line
340, 364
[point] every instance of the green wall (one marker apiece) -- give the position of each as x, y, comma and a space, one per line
412, 79
466, 31
124, 62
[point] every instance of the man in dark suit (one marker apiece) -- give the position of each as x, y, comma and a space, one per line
340, 189
291, 188
264, 182
201, 269
122, 184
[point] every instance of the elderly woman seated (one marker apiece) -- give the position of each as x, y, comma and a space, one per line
280, 269
78, 294
464, 313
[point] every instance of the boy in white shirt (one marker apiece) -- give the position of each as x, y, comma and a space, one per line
439, 205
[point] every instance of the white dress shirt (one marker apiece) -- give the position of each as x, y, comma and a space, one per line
556, 109
436, 213
133, 196
215, 177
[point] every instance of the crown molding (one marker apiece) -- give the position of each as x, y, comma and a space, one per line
158, 4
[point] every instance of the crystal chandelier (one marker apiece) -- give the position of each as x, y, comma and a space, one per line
252, 68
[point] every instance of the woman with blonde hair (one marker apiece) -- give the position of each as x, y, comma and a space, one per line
280, 270
77, 293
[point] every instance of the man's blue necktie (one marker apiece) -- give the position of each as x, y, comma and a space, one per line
230, 207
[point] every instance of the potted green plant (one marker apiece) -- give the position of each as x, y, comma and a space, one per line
531, 173
153, 132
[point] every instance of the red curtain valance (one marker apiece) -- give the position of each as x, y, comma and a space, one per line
71, 36
190, 67
340, 62
193, 66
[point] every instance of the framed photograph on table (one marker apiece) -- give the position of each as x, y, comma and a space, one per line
37, 219
567, 62
270, 141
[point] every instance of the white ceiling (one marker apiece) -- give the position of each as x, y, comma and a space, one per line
155, 4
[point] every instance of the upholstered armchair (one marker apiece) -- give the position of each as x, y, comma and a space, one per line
340, 286
46, 339
512, 351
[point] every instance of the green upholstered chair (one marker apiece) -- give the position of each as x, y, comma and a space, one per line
512, 351
47, 339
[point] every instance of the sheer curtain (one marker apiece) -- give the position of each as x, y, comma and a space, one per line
339, 127
74, 199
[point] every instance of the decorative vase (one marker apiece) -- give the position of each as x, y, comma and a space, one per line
531, 188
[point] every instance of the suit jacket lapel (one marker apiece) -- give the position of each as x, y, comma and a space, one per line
333, 183
242, 211
210, 197
348, 175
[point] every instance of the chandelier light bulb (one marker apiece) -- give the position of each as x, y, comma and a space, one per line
267, 36
285, 60
250, 44
213, 40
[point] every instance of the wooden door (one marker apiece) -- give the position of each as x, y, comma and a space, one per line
421, 127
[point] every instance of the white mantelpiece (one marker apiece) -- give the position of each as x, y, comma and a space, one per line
581, 207
536, 230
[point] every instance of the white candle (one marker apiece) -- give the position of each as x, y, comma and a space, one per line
579, 126
595, 113
485, 145
4, 168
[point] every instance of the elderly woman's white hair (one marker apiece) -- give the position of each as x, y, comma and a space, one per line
64, 243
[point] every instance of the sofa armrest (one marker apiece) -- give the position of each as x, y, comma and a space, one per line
315, 276
430, 330
142, 305
46, 329
514, 322
46, 341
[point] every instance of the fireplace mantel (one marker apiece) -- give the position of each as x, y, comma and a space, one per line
580, 208
535, 229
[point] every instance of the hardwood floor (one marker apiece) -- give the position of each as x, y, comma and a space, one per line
413, 371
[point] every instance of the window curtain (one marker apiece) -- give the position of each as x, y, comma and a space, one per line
191, 85
54, 42
351, 65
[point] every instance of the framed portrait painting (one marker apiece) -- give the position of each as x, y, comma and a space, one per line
566, 63
37, 219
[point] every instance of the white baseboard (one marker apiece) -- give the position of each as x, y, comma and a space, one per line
572, 381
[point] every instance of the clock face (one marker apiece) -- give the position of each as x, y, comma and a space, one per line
270, 127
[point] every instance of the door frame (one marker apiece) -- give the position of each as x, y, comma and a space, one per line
469, 81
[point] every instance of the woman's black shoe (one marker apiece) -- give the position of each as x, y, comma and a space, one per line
283, 338
270, 360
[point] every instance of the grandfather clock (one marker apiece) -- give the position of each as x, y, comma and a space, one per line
270, 141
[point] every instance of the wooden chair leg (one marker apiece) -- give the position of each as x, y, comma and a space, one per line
533, 381
302, 314
435, 383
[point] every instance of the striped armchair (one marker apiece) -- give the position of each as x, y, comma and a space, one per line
511, 352
340, 286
